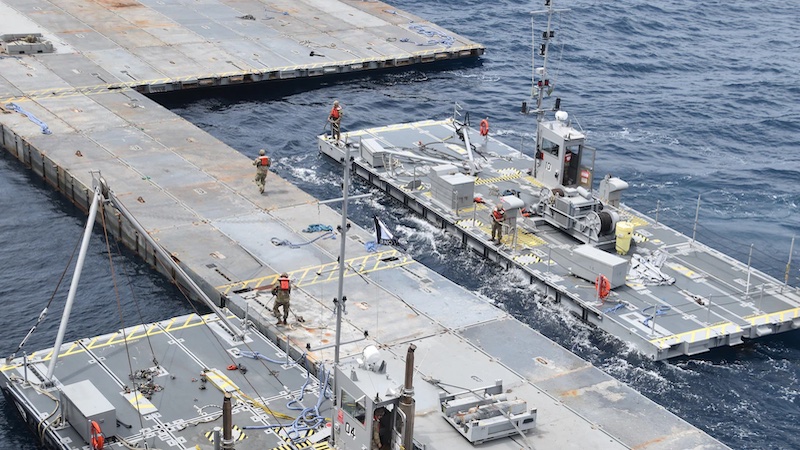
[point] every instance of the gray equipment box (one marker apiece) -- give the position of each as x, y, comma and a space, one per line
81, 403
453, 191
372, 152
591, 262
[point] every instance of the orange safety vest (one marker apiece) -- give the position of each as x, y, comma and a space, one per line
263, 161
335, 113
498, 214
284, 284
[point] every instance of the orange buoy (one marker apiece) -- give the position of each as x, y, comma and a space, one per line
484, 127
98, 441
603, 286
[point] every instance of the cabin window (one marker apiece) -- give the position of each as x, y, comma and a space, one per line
549, 147
354, 407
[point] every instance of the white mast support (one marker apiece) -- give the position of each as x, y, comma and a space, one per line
544, 54
179, 272
405, 154
76, 277
788, 265
469, 151
342, 267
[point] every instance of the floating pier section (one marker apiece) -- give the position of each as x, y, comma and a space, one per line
79, 112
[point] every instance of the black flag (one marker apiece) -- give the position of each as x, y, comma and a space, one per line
382, 234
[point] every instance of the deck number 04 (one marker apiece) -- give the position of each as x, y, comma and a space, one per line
350, 430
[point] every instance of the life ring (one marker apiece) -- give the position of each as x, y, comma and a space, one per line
484, 127
603, 286
98, 441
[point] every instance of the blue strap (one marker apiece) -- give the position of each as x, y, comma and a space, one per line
17, 108
315, 227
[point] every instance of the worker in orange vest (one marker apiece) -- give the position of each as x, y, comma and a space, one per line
262, 164
498, 216
282, 291
335, 118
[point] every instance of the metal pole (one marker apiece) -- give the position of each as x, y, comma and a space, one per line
761, 299
658, 207
747, 288
475, 211
76, 277
288, 360
653, 325
708, 318
549, 251
227, 422
788, 265
340, 292
217, 438
696, 215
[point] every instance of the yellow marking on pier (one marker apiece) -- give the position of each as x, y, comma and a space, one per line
527, 239
140, 402
308, 276
511, 174
635, 220
220, 380
477, 207
533, 181
111, 339
527, 259
236, 433
700, 334
775, 317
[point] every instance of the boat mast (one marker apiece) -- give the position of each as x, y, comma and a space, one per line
76, 277
540, 80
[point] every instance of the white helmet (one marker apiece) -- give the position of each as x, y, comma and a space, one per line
262, 152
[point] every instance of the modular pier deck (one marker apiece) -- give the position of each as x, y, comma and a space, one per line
699, 299
193, 196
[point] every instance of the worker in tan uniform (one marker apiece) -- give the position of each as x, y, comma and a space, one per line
282, 291
262, 164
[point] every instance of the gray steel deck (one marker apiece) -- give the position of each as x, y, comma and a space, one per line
160, 46
195, 196
736, 310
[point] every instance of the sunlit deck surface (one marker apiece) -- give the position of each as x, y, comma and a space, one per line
714, 300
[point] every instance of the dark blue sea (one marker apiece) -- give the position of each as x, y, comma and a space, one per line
680, 99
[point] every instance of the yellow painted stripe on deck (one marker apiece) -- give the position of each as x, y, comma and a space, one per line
221, 381
504, 177
236, 433
140, 403
533, 181
699, 334
307, 276
111, 339
775, 317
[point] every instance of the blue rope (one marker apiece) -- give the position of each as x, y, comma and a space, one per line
613, 309
314, 227
371, 246
17, 108
660, 311
435, 36
279, 242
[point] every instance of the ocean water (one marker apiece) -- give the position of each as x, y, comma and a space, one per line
680, 100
